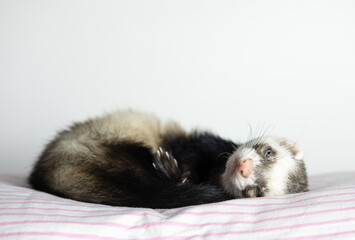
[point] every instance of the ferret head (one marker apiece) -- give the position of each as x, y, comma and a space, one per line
267, 166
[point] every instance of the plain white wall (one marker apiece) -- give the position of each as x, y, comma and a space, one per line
286, 66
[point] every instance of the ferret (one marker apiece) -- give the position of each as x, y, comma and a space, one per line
132, 159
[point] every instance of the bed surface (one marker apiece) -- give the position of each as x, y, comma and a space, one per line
325, 212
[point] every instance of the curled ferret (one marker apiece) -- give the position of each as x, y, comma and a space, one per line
132, 159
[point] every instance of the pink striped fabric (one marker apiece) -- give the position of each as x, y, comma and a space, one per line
325, 212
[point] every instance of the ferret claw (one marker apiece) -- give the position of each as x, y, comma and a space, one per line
167, 155
184, 180
166, 165
159, 153
176, 164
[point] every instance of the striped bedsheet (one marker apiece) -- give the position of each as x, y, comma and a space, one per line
325, 212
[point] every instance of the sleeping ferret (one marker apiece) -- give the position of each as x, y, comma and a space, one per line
132, 159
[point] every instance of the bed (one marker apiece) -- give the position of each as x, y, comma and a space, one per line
327, 211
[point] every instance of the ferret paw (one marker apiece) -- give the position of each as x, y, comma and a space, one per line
166, 166
252, 191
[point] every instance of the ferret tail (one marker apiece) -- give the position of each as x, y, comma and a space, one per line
181, 195
114, 190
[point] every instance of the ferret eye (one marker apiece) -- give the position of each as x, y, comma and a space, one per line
268, 154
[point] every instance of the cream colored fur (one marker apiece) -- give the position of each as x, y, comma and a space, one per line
122, 125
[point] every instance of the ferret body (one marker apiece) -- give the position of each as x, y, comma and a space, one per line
132, 159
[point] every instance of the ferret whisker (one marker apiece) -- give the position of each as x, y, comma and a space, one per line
281, 156
253, 135
259, 129
224, 155
250, 135
259, 135
264, 135
235, 147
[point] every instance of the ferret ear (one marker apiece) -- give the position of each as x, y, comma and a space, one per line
292, 146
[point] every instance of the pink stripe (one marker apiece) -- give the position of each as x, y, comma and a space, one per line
284, 203
126, 211
59, 201
318, 236
56, 198
243, 222
63, 215
35, 196
197, 236
306, 205
254, 213
61, 234
32, 197
88, 236
138, 213
14, 195
183, 213
311, 191
12, 185
274, 218
144, 214
306, 214
118, 225
19, 189
49, 209
175, 211
110, 224
44, 196
114, 213
14, 191
271, 229
87, 211
82, 236
288, 196
86, 205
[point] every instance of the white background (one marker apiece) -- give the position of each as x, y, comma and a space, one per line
282, 66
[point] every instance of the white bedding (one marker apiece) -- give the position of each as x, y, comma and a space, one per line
326, 212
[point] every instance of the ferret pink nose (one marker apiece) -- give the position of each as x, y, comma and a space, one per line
246, 167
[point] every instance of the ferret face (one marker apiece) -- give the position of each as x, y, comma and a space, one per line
266, 166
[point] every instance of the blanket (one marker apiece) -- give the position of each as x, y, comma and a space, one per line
327, 211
